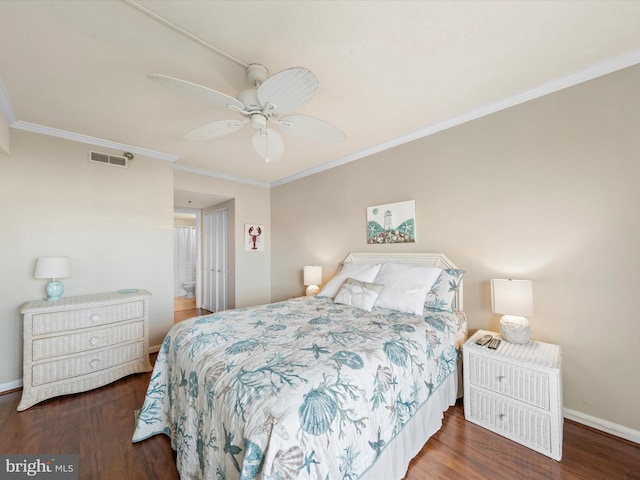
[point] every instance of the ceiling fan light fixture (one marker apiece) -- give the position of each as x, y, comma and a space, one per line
258, 121
268, 144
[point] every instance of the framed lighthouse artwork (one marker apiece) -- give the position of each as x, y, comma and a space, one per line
253, 237
392, 223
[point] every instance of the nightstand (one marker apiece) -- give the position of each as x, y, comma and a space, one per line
516, 391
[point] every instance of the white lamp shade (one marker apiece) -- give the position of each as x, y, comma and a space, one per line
512, 297
312, 275
52, 267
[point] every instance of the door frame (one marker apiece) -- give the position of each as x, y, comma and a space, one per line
198, 213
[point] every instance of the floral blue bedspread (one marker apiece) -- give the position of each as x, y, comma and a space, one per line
299, 389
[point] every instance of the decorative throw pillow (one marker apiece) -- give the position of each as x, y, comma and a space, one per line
362, 295
405, 286
365, 272
441, 295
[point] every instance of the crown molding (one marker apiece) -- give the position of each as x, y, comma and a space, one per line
77, 137
612, 65
222, 176
10, 117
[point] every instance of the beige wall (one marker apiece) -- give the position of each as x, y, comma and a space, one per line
251, 205
546, 191
116, 224
4, 137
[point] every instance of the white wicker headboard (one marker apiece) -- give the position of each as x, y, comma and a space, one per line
438, 260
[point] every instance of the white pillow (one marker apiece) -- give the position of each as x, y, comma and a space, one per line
405, 286
357, 294
365, 272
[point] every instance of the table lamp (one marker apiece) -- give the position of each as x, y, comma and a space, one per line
53, 268
312, 278
514, 300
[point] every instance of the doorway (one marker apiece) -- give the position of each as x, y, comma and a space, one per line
186, 259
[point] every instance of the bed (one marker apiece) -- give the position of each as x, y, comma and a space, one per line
337, 386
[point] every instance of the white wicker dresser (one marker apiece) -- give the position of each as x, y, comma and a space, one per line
516, 391
83, 342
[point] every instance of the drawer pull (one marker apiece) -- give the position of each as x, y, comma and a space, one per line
93, 341
95, 318
95, 363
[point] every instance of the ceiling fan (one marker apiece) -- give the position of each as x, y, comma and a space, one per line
271, 100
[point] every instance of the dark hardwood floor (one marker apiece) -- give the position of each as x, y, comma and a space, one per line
180, 315
98, 425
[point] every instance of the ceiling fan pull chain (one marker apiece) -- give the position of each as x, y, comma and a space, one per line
266, 137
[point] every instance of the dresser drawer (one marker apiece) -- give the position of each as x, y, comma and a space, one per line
83, 342
86, 317
87, 363
510, 419
86, 340
514, 381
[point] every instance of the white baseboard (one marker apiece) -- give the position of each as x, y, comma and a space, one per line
603, 425
5, 387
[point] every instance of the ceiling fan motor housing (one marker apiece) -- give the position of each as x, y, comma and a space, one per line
249, 99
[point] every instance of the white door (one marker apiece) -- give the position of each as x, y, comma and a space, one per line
215, 285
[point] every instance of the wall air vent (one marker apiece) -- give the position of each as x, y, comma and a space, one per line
106, 159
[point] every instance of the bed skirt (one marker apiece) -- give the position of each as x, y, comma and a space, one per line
395, 458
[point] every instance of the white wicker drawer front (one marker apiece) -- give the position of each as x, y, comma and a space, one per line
85, 317
512, 420
517, 382
85, 364
87, 340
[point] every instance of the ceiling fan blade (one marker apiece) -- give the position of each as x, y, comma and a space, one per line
212, 97
268, 143
289, 90
214, 129
311, 128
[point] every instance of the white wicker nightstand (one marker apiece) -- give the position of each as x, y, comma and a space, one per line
84, 342
516, 391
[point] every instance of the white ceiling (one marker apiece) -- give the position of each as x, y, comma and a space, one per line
390, 71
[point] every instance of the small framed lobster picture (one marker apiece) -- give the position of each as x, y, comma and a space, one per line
253, 237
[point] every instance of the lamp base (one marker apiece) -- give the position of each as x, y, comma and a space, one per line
515, 329
313, 290
54, 290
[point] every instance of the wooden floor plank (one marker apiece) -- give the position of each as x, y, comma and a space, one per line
98, 426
